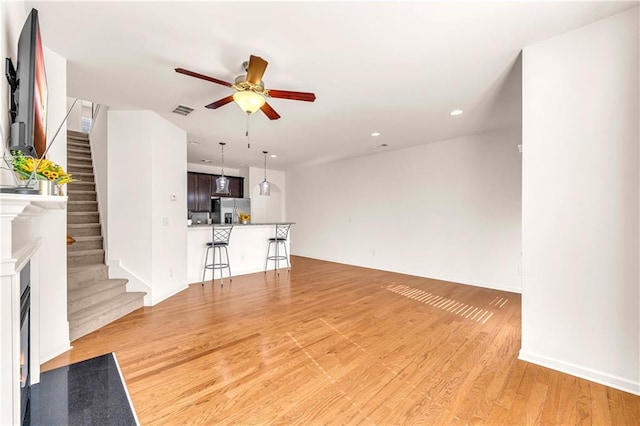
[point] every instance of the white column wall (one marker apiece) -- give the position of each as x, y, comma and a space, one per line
147, 234
448, 210
52, 226
581, 299
168, 215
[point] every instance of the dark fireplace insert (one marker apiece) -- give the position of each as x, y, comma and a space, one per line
25, 337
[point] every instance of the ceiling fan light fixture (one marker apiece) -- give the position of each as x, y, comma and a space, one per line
249, 101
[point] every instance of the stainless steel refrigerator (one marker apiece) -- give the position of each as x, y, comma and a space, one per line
225, 210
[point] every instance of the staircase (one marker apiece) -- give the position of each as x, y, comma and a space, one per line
93, 300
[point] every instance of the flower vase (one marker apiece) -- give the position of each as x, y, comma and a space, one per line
244, 222
47, 187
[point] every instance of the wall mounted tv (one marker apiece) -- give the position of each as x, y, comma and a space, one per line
28, 83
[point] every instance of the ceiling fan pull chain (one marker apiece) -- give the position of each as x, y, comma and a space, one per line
247, 132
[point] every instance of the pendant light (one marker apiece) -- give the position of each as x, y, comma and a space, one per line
265, 186
222, 183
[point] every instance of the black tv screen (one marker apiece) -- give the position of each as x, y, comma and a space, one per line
29, 129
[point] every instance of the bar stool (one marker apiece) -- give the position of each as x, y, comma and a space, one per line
220, 241
282, 232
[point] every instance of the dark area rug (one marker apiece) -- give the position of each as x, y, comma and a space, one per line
90, 392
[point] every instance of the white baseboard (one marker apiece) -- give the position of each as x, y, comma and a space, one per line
117, 270
454, 280
54, 353
582, 372
168, 295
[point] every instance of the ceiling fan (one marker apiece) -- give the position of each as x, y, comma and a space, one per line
250, 92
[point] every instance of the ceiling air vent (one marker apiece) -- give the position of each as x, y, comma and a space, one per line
182, 110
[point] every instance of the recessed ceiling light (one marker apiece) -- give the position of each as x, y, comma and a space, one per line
194, 143
456, 112
206, 161
374, 134
273, 156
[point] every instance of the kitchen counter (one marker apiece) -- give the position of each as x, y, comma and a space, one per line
204, 225
247, 249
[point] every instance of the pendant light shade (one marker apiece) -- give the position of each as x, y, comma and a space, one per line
265, 186
222, 183
249, 101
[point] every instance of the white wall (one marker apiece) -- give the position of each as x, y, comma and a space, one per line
212, 170
50, 226
580, 297
448, 210
270, 208
74, 122
147, 236
54, 327
12, 19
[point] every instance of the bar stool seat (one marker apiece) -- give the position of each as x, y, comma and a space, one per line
282, 233
221, 235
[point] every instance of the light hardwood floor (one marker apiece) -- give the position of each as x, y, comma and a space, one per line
336, 344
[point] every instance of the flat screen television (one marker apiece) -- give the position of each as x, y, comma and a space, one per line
29, 92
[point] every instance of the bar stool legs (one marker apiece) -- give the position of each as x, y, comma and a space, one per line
220, 241
282, 232
219, 265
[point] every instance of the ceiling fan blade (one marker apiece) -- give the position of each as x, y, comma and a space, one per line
256, 69
203, 77
295, 96
219, 103
269, 112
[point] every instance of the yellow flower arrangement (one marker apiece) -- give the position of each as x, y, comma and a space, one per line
47, 170
244, 217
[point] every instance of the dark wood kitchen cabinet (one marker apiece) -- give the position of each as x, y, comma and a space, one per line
202, 186
192, 189
203, 195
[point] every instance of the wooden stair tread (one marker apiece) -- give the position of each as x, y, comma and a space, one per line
86, 291
83, 225
106, 307
78, 253
89, 238
73, 157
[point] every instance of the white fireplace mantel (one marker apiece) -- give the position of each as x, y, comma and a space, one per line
18, 207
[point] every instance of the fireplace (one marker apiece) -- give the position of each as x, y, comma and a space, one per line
21, 267
25, 341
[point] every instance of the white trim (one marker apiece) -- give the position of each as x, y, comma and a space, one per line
25, 253
54, 353
582, 372
163, 298
135, 283
490, 286
126, 390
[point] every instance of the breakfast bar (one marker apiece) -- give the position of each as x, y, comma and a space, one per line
247, 249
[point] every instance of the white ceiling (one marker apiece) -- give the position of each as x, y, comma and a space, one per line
398, 68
